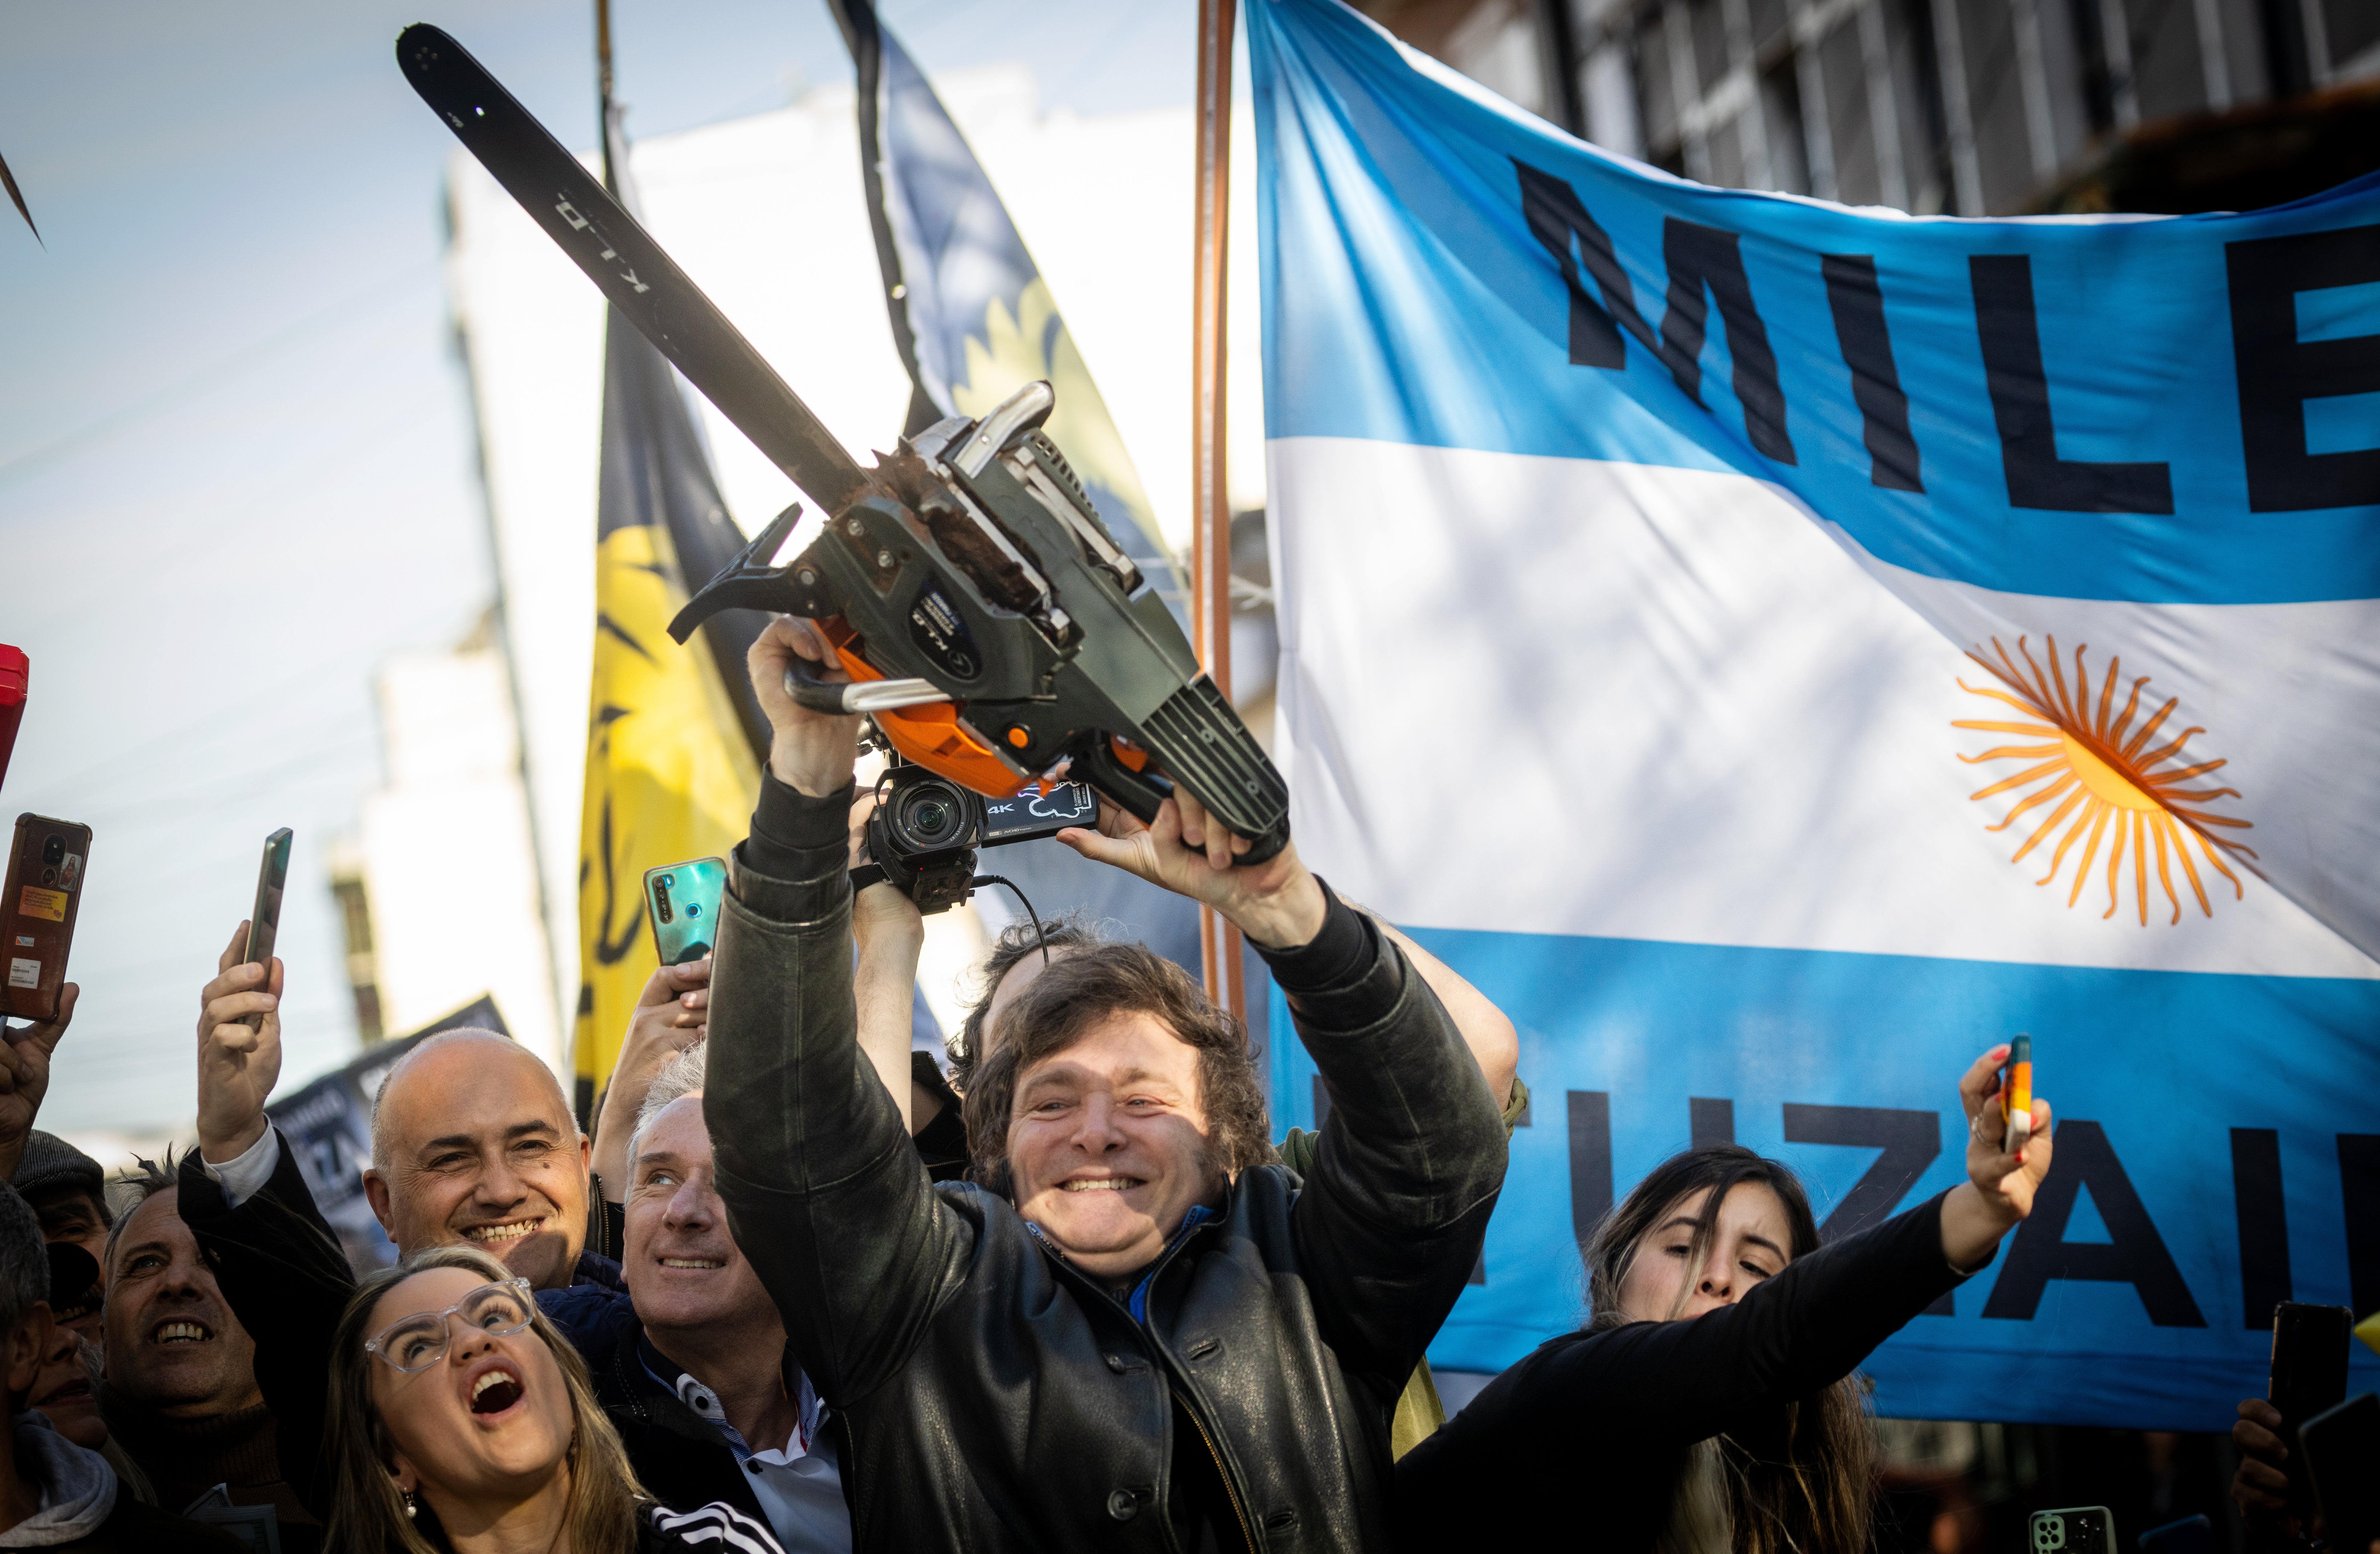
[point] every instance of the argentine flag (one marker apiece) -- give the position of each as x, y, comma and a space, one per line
1779, 651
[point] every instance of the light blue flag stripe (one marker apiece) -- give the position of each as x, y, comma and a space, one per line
2155, 395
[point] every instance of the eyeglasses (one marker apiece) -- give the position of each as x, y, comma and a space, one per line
420, 1340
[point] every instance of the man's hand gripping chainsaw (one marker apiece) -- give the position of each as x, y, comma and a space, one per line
991, 626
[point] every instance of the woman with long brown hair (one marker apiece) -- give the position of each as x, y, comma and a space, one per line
462, 1421
1709, 1406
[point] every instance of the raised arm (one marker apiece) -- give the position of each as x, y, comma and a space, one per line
283, 1273
1391, 1219
671, 1016
1651, 1384
25, 1052
1486, 1030
824, 1191
278, 1263
891, 936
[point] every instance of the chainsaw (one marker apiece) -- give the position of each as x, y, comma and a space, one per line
991, 627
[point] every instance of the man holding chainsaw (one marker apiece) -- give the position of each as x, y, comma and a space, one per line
1150, 1337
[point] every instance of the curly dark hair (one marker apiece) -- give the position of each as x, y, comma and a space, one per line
1079, 993
1017, 942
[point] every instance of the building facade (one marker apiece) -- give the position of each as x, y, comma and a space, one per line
1969, 107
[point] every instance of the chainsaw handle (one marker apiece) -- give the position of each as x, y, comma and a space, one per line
1143, 793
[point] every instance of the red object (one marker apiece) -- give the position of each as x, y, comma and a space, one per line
14, 669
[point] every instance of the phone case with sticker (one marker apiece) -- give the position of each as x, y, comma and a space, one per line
37, 913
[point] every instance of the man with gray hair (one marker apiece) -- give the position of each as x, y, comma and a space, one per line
55, 1494
672, 1355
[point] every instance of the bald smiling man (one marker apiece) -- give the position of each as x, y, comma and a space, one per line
473, 1142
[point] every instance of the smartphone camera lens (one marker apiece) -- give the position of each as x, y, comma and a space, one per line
661, 898
54, 851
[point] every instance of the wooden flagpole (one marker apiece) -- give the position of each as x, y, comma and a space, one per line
1211, 549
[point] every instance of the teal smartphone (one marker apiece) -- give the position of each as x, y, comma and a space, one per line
682, 899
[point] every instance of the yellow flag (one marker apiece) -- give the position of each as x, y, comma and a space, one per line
673, 734
669, 776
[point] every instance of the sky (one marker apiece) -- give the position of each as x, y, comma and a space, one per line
236, 463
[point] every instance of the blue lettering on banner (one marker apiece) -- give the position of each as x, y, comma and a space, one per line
2036, 405
2210, 1205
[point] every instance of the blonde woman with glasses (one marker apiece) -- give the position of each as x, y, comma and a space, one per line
462, 1421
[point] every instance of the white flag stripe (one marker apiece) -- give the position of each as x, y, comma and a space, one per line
2279, 688
1686, 715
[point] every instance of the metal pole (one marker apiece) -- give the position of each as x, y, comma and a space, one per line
603, 51
1558, 64
1210, 545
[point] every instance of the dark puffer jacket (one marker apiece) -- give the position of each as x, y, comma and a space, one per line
993, 1396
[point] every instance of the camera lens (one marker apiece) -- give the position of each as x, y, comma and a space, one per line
54, 850
933, 814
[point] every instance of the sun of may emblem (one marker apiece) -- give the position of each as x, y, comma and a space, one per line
2105, 776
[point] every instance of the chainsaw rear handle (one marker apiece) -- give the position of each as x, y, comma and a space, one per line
1143, 793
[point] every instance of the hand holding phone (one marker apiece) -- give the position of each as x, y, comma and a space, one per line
239, 1020
2309, 1375
25, 1053
2016, 1095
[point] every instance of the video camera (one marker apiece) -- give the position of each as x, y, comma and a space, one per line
926, 830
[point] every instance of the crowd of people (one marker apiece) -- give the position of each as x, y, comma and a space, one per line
803, 1291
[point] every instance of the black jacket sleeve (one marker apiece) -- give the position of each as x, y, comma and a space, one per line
1653, 1387
823, 1188
285, 1278
1389, 1221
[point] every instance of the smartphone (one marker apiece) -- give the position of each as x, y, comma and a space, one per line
2342, 1458
2016, 1094
265, 918
37, 913
2309, 1375
2082, 1529
683, 901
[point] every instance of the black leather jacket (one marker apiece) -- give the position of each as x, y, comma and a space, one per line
996, 1398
